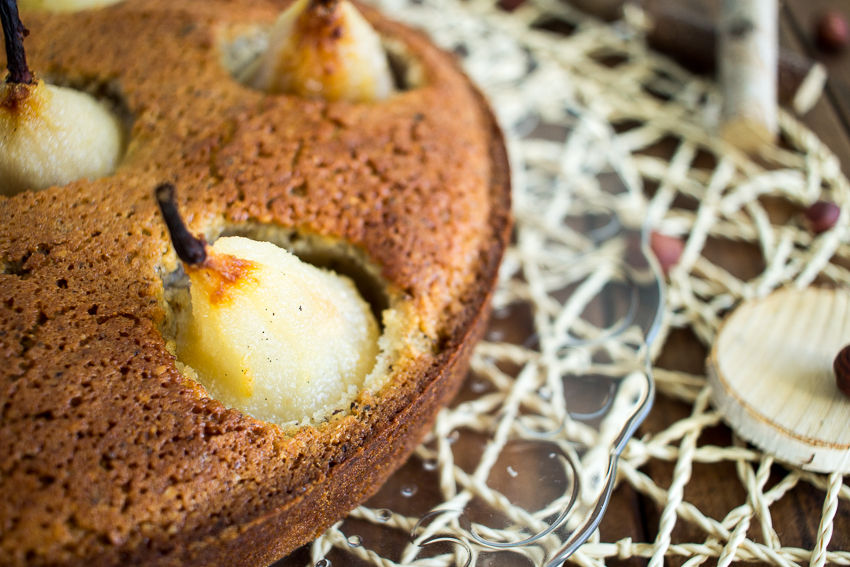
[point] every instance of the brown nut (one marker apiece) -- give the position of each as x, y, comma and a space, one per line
841, 367
667, 249
832, 32
822, 216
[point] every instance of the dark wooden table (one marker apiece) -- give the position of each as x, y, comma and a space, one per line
714, 489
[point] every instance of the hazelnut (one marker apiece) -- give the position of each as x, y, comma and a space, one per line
667, 249
841, 366
832, 32
822, 216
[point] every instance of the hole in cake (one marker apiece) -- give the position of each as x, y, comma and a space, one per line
302, 356
16, 268
406, 69
242, 49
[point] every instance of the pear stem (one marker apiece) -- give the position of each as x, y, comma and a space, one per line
189, 248
14, 33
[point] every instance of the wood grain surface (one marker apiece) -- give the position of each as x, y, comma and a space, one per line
779, 391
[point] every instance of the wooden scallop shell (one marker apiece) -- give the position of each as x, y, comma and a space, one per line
771, 374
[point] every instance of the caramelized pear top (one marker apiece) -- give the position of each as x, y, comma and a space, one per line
326, 49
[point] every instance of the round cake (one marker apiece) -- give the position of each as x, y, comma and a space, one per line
113, 453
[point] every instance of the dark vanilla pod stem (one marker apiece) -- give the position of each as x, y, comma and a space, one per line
189, 248
14, 33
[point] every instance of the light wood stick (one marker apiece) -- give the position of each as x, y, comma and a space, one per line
690, 38
748, 46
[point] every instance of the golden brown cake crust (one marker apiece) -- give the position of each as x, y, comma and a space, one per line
110, 455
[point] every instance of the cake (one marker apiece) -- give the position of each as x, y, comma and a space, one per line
112, 452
